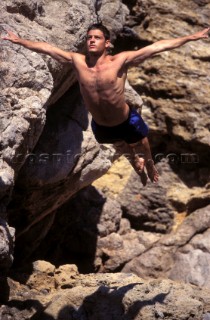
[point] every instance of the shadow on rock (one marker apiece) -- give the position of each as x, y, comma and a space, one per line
73, 236
5, 289
105, 304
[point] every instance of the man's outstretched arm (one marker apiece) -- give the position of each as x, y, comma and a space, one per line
135, 57
40, 47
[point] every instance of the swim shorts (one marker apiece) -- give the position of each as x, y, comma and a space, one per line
132, 130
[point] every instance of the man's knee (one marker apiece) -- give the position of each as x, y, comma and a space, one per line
119, 144
136, 144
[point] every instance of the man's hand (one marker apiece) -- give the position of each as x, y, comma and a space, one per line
201, 34
11, 37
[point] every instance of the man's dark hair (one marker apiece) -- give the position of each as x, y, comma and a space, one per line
102, 28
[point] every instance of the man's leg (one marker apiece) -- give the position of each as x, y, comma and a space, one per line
135, 160
142, 148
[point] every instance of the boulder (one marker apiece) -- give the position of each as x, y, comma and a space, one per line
102, 296
181, 255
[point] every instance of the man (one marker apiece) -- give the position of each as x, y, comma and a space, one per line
101, 77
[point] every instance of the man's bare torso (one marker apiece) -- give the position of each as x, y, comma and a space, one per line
102, 88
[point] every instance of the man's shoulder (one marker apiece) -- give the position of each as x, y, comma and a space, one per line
78, 58
78, 55
119, 59
119, 56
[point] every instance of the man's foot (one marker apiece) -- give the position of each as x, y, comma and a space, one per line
152, 171
138, 165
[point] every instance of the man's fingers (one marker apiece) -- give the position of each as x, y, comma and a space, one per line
4, 35
9, 35
206, 31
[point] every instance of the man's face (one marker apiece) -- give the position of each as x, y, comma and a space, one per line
96, 42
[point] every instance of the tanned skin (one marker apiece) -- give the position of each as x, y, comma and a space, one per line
102, 80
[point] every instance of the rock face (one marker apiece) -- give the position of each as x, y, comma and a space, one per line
46, 155
174, 112
97, 236
49, 158
176, 102
182, 255
63, 293
7, 235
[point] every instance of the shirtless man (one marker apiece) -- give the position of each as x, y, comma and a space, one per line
101, 77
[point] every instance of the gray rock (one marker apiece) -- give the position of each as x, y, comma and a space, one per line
192, 260
116, 250
34, 145
181, 255
105, 296
148, 208
35, 156
7, 237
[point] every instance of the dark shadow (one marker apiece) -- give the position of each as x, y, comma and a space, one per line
127, 39
54, 155
4, 289
104, 304
23, 309
138, 305
189, 160
72, 238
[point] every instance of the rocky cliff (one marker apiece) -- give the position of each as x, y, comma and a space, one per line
49, 157
47, 150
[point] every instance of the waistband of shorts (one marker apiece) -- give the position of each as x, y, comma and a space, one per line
131, 110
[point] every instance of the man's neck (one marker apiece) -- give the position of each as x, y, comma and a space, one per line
94, 60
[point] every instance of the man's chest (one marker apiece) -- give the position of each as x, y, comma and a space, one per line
101, 77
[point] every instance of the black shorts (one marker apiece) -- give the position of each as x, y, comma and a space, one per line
132, 130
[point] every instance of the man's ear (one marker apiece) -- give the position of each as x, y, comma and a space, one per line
107, 44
